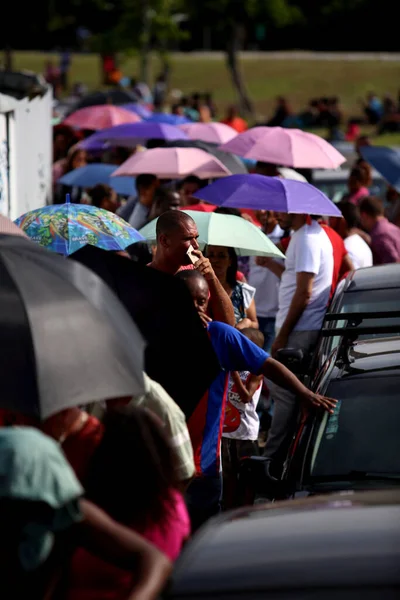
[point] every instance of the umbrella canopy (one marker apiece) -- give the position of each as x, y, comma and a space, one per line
99, 173
285, 147
225, 230
233, 163
65, 339
173, 163
386, 161
140, 109
214, 133
9, 228
177, 343
157, 117
100, 117
65, 228
115, 97
269, 193
130, 135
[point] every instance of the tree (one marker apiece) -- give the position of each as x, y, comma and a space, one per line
230, 19
144, 25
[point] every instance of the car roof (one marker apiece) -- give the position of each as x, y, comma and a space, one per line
331, 540
374, 278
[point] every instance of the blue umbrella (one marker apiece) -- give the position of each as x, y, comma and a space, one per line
269, 193
169, 119
99, 173
142, 111
386, 161
130, 135
65, 228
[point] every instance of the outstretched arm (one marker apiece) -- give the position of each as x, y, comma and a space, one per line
282, 376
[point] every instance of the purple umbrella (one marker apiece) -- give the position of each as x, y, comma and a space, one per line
168, 118
140, 109
260, 192
129, 137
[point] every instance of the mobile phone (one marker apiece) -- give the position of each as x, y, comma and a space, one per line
192, 256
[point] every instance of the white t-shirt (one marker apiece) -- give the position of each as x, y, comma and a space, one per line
309, 251
265, 282
359, 251
241, 420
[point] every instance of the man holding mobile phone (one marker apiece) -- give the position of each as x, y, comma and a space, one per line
178, 249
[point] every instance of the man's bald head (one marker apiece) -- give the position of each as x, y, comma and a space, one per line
176, 232
172, 221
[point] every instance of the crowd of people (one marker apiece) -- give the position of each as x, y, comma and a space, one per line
99, 500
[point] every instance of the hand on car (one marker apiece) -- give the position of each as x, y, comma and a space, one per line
203, 265
319, 401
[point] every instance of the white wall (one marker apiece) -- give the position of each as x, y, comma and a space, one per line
4, 181
27, 140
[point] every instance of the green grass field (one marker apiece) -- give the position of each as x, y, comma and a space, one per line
298, 80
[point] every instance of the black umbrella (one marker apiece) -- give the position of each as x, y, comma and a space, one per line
179, 354
231, 162
65, 339
114, 96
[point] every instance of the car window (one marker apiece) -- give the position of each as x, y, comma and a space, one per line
366, 301
363, 432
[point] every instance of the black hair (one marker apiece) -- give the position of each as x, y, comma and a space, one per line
226, 210
145, 180
161, 202
188, 275
98, 192
171, 221
140, 253
192, 179
133, 470
372, 206
360, 173
350, 213
233, 267
254, 335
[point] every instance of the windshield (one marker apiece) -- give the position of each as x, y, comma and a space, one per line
363, 433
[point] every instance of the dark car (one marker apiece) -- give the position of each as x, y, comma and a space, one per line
368, 301
339, 546
358, 363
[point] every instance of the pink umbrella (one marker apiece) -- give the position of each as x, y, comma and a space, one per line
173, 163
285, 147
213, 133
9, 228
100, 117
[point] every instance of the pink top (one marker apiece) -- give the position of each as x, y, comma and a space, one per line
358, 196
90, 578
